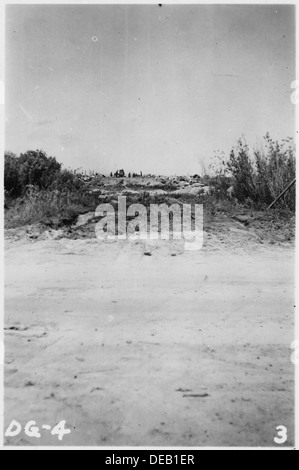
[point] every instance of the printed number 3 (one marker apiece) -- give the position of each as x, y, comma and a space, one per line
282, 434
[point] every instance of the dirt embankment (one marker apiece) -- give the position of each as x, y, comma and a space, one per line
225, 222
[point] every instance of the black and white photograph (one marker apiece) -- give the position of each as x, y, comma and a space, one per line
149, 208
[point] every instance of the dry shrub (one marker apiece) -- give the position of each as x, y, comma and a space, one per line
45, 205
260, 176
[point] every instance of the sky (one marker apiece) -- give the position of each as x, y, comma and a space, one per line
146, 88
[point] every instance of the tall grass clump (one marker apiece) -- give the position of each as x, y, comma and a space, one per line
276, 168
258, 177
52, 207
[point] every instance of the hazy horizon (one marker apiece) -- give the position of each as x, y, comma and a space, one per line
147, 88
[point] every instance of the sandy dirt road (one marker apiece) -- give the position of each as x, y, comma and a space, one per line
161, 350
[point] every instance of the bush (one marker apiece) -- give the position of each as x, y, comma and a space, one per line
259, 178
220, 184
36, 169
66, 180
242, 168
276, 168
12, 183
37, 188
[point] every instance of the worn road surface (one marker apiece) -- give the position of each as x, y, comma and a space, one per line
173, 349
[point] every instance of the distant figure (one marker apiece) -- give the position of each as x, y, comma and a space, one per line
129, 175
111, 175
120, 174
141, 173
